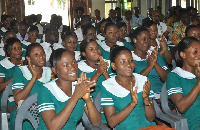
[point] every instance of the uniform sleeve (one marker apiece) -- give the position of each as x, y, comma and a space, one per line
162, 63
44, 100
173, 84
2, 71
18, 80
106, 99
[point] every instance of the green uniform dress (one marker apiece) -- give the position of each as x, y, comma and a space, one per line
141, 64
182, 82
6, 72
83, 67
3, 31
105, 50
51, 97
21, 77
114, 95
163, 55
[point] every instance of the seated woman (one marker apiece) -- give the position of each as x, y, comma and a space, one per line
149, 64
93, 64
111, 35
28, 80
125, 98
8, 34
122, 35
8, 65
70, 43
63, 100
183, 82
158, 41
193, 31
101, 35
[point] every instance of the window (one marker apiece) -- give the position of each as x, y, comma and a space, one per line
31, 2
109, 4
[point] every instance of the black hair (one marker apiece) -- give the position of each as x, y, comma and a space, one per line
85, 18
79, 8
6, 33
4, 17
115, 51
56, 56
9, 44
189, 28
67, 34
121, 24
135, 32
127, 12
182, 12
87, 27
109, 24
184, 44
84, 44
148, 23
23, 23
30, 47
13, 23
33, 28
117, 8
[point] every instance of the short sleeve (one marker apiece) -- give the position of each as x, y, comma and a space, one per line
18, 80
2, 71
106, 99
44, 100
173, 84
162, 63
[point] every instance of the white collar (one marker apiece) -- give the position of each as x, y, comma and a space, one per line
137, 58
57, 92
183, 73
57, 45
100, 37
45, 44
113, 87
2, 52
6, 63
107, 48
46, 74
77, 55
3, 29
84, 67
25, 43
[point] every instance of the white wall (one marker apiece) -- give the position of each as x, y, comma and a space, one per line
98, 4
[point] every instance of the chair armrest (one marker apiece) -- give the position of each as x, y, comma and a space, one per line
175, 123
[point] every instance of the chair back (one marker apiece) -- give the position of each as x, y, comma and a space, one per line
23, 113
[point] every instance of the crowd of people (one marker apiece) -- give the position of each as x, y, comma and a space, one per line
105, 72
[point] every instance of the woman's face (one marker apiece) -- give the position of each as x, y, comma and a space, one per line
7, 22
191, 56
67, 68
91, 33
194, 32
153, 31
37, 56
122, 32
34, 35
142, 41
92, 51
112, 34
102, 26
124, 65
16, 50
70, 43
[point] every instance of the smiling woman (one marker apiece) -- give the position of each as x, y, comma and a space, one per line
28, 80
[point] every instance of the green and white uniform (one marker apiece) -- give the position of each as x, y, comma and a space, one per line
141, 64
51, 97
114, 95
21, 77
159, 49
182, 82
83, 67
105, 50
6, 71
